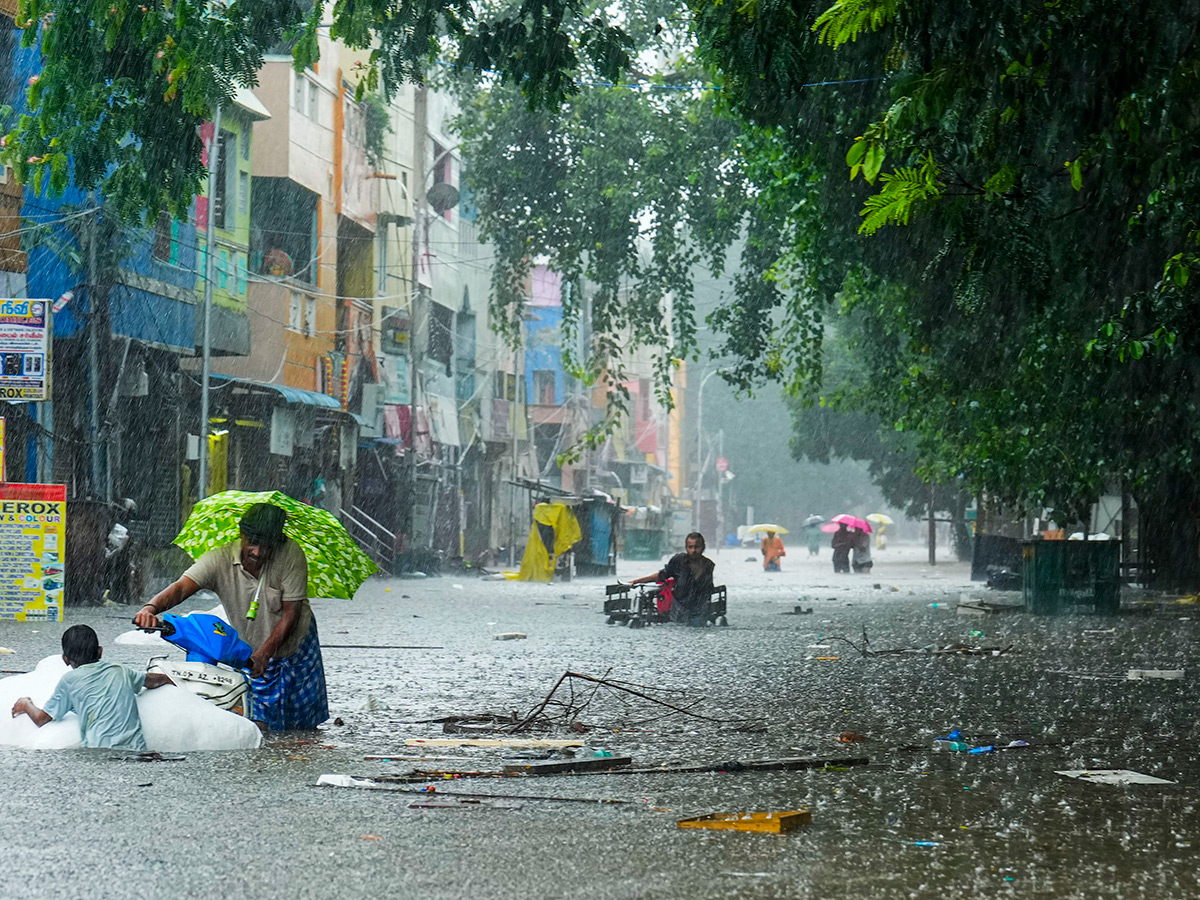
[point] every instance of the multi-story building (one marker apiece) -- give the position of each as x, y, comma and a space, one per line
287, 410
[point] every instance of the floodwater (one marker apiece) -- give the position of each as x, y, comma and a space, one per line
914, 822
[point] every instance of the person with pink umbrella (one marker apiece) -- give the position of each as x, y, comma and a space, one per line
842, 542
845, 530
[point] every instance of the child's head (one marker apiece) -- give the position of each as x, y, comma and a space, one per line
80, 646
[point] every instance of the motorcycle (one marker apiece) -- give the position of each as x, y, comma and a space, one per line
217, 664
120, 574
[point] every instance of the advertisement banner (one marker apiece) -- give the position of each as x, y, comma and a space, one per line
25, 349
33, 537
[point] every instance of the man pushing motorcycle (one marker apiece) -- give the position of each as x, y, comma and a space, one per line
262, 581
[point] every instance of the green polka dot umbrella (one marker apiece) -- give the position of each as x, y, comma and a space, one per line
336, 564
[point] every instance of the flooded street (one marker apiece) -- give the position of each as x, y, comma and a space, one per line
914, 822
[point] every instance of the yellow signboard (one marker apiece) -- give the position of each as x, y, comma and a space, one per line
33, 522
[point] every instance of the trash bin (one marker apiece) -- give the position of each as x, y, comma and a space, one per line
643, 543
1055, 574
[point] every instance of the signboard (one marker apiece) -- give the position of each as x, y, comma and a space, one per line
32, 544
283, 430
25, 349
722, 464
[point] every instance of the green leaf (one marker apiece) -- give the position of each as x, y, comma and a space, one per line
873, 162
847, 19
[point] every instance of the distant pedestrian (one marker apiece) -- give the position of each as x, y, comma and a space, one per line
772, 552
841, 542
103, 695
813, 535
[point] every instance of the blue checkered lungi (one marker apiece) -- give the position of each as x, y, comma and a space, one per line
291, 692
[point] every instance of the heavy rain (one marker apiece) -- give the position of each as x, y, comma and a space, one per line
649, 450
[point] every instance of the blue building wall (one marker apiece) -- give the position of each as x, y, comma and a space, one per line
543, 350
135, 311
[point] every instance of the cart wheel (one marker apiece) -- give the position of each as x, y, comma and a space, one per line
722, 621
611, 620
636, 623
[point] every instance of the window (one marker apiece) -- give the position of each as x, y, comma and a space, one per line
241, 276
441, 335
381, 267
443, 171
543, 387
298, 91
243, 192
162, 236
282, 225
310, 316
506, 386
464, 380
244, 143
295, 313
223, 270
223, 185
312, 101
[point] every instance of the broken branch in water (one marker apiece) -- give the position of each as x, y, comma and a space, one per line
948, 650
571, 711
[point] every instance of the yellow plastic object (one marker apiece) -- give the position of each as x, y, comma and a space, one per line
539, 560
767, 822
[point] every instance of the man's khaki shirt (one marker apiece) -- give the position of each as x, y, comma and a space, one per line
285, 580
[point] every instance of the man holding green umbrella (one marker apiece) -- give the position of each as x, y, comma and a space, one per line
262, 581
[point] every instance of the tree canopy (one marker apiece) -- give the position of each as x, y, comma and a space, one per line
626, 190
1000, 193
126, 83
1006, 183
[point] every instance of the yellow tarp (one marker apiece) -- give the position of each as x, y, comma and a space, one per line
537, 564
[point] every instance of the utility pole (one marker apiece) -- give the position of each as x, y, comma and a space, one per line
210, 237
699, 450
97, 467
419, 242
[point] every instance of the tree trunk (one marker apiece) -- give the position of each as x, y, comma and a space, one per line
1167, 531
958, 522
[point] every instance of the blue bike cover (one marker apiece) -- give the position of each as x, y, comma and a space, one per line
207, 639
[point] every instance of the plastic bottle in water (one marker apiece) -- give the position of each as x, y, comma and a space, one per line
945, 744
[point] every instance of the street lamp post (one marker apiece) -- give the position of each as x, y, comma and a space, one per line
214, 149
440, 197
699, 448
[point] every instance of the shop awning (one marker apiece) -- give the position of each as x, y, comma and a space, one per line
289, 394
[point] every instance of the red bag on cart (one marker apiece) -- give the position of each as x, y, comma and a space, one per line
666, 596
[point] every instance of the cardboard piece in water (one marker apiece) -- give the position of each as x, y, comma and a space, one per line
1112, 776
